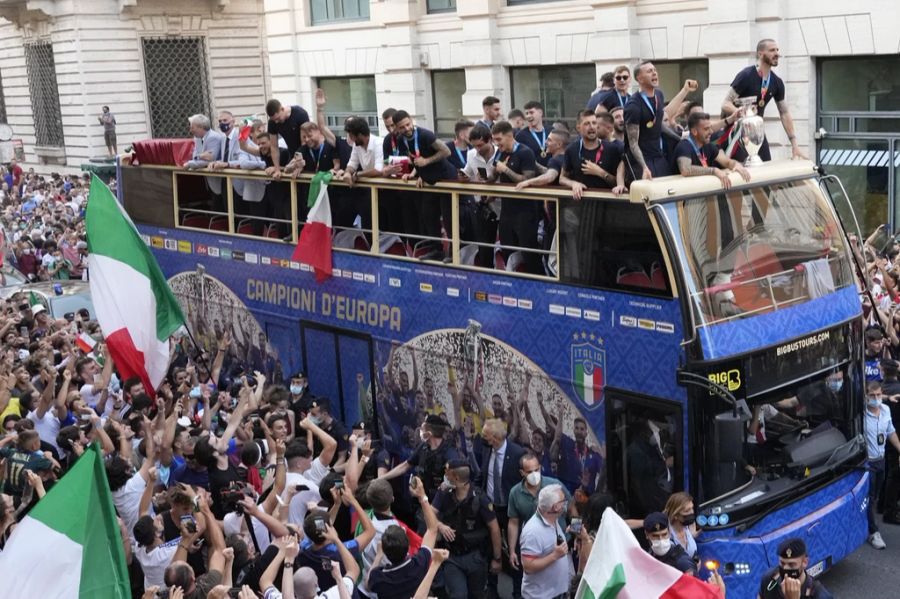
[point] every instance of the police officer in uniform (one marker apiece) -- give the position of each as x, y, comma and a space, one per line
468, 528
656, 527
430, 456
789, 579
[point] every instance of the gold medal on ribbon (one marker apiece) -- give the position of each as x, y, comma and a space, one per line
762, 103
650, 124
544, 154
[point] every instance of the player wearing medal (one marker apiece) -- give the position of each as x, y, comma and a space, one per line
644, 126
761, 83
695, 156
535, 135
593, 162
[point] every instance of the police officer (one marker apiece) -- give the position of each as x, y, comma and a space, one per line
656, 527
789, 580
430, 456
468, 528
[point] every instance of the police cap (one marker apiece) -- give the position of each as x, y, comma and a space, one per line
791, 548
656, 522
321, 402
359, 426
298, 375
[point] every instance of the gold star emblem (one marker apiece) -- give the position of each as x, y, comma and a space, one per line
583, 335
575, 336
592, 336
789, 552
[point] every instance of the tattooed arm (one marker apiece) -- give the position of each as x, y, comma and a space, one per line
634, 131
728, 105
687, 169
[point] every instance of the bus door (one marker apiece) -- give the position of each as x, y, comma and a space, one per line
339, 365
645, 443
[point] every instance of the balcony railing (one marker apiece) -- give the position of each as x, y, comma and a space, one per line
450, 223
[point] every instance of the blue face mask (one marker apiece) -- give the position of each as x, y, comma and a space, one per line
315, 420
874, 402
835, 385
296, 389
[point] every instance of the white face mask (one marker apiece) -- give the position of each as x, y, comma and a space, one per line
423, 436
661, 547
533, 478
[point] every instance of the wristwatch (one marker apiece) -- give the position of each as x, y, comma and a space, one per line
288, 563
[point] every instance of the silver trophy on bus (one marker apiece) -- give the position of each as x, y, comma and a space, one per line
753, 130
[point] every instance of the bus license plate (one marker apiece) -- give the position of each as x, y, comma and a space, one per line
816, 569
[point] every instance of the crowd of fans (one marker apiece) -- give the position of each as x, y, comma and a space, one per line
230, 484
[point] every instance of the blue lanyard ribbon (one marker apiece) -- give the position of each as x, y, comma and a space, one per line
415, 143
319, 154
650, 106
460, 155
540, 140
703, 159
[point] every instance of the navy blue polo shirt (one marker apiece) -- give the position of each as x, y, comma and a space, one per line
319, 159
647, 113
536, 142
707, 153
608, 155
749, 84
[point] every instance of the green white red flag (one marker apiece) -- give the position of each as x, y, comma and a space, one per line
135, 306
618, 568
314, 246
69, 543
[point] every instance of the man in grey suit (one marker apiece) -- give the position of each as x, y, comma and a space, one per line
208, 147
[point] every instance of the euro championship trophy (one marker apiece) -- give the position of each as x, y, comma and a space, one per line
753, 130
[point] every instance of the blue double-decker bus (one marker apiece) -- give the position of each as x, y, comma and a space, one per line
683, 337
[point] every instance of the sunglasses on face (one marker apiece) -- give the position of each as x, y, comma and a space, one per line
622, 77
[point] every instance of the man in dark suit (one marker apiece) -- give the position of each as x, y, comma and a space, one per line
499, 474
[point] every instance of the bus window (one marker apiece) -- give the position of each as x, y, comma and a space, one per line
645, 448
611, 244
754, 250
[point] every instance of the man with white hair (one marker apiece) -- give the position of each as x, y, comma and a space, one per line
545, 553
208, 147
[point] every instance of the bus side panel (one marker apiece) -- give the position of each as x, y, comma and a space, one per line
495, 333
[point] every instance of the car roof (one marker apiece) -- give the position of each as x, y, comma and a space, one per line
71, 287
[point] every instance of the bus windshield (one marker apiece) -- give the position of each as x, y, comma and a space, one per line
763, 248
776, 441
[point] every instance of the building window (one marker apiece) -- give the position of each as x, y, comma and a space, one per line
672, 75
875, 88
441, 6
562, 89
41, 68
447, 89
519, 2
175, 73
3, 117
329, 11
350, 96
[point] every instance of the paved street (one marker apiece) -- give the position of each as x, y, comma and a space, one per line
868, 573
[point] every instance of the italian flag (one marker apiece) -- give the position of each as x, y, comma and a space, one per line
135, 307
69, 543
591, 382
618, 568
314, 246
